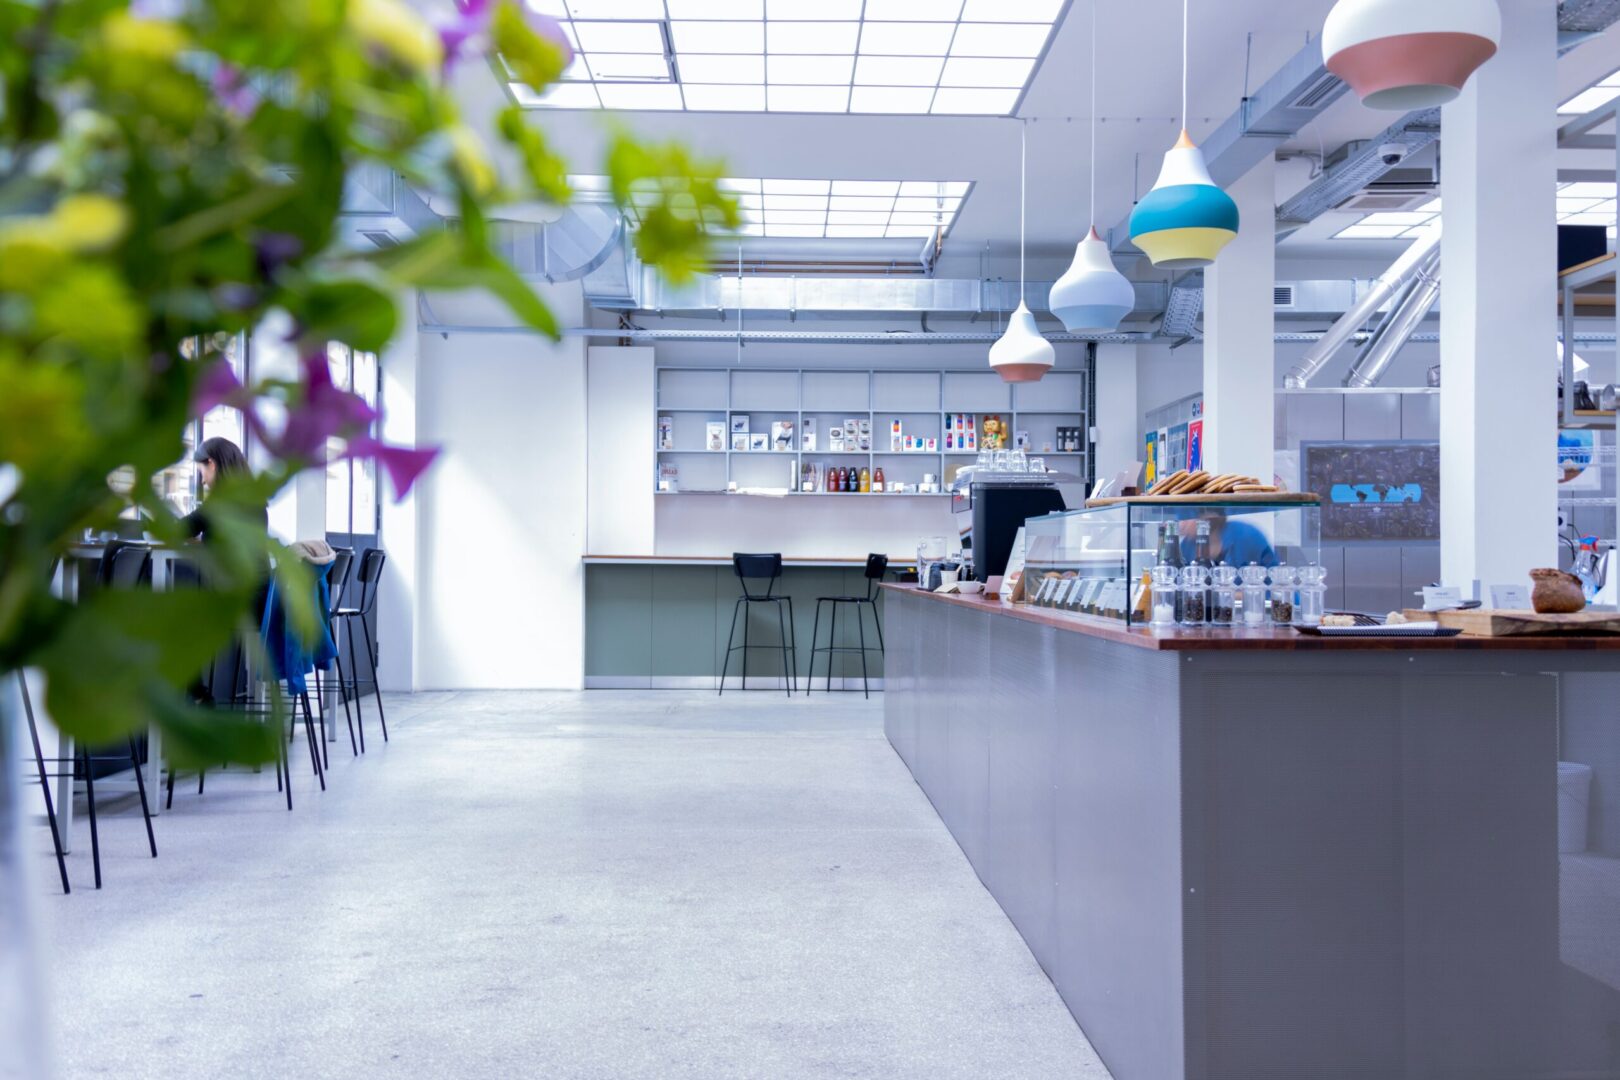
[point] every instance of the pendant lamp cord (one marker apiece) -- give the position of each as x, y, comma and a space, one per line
1094, 113
1183, 65
1023, 195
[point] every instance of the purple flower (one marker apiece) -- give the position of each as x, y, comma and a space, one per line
232, 89
325, 413
273, 250
217, 385
467, 34
404, 464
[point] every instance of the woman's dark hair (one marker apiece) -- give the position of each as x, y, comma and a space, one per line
227, 457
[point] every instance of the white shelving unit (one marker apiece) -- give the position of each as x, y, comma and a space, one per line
921, 400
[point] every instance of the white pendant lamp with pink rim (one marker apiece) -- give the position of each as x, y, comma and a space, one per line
1022, 354
1406, 55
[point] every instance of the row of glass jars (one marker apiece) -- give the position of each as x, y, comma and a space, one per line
1226, 596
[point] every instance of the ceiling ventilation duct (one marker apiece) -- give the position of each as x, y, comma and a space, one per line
1397, 328
1383, 289
581, 240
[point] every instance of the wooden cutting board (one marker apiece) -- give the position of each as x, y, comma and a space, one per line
1482, 623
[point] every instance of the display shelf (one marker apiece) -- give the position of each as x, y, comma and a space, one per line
738, 391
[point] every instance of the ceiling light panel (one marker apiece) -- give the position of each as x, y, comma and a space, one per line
785, 206
969, 57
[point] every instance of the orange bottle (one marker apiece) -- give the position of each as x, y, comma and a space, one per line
866, 481
877, 479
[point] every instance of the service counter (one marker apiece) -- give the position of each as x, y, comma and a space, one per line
660, 622
1259, 856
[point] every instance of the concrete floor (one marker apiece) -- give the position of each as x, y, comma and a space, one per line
598, 886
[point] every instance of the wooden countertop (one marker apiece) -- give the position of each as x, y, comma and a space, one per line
788, 562
1180, 639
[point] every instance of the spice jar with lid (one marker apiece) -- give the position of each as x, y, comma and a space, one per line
1254, 594
1194, 595
1223, 595
1283, 580
1165, 593
1312, 596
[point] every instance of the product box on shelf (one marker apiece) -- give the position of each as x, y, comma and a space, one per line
739, 425
896, 436
666, 433
835, 440
717, 435
782, 435
1021, 440
759, 441
739, 442
807, 435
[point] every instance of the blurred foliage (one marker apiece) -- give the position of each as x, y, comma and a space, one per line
175, 170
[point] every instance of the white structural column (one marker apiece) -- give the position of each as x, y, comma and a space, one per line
398, 595
1498, 428
1239, 351
1114, 415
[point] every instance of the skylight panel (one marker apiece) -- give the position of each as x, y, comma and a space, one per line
616, 9
795, 202
981, 71
1587, 219
724, 98
988, 102
719, 37
810, 70
1404, 218
1370, 232
866, 188
918, 231
906, 39
716, 9
1586, 190
813, 9
620, 37
999, 39
857, 217
559, 96
814, 99
1030, 11
1591, 98
914, 10
814, 231
856, 232
812, 37
721, 68
619, 67
796, 187
659, 96
913, 71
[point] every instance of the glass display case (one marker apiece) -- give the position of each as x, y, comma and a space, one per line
1221, 562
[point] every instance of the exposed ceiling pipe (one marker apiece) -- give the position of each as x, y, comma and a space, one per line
1383, 288
1397, 329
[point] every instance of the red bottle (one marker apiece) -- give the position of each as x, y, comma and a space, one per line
841, 483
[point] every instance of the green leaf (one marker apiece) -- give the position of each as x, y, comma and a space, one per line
195, 737
356, 313
442, 261
547, 171
536, 60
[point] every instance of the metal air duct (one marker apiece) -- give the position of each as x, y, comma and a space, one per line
1398, 327
1383, 288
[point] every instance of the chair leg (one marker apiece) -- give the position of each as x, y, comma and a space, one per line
337, 664
168, 798
202, 778
140, 786
879, 623
832, 643
376, 686
748, 617
309, 735
787, 674
284, 771
730, 636
354, 677
320, 711
860, 622
793, 642
90, 803
44, 785
815, 632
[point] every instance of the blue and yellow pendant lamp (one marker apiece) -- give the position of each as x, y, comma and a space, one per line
1185, 221
1093, 296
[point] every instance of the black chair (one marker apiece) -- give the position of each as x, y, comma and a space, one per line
337, 590
371, 568
44, 783
751, 570
876, 567
123, 566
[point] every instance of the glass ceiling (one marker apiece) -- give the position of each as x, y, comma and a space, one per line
827, 208
1578, 204
1593, 97
806, 56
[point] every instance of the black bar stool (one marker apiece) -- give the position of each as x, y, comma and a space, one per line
44, 782
876, 567
337, 590
750, 570
371, 568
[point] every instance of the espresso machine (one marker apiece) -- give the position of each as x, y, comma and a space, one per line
991, 506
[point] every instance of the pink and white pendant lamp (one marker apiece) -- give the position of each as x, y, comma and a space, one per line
1406, 55
1022, 354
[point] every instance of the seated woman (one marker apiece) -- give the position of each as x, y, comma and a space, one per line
216, 459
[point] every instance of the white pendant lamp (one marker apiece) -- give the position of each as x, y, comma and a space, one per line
1406, 55
1022, 354
1093, 296
1185, 221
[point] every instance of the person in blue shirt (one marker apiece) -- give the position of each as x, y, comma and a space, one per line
1235, 543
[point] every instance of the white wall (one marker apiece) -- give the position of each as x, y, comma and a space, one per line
398, 595
502, 514
621, 393
1116, 418
823, 526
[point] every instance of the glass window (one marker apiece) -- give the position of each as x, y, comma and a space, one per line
351, 487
